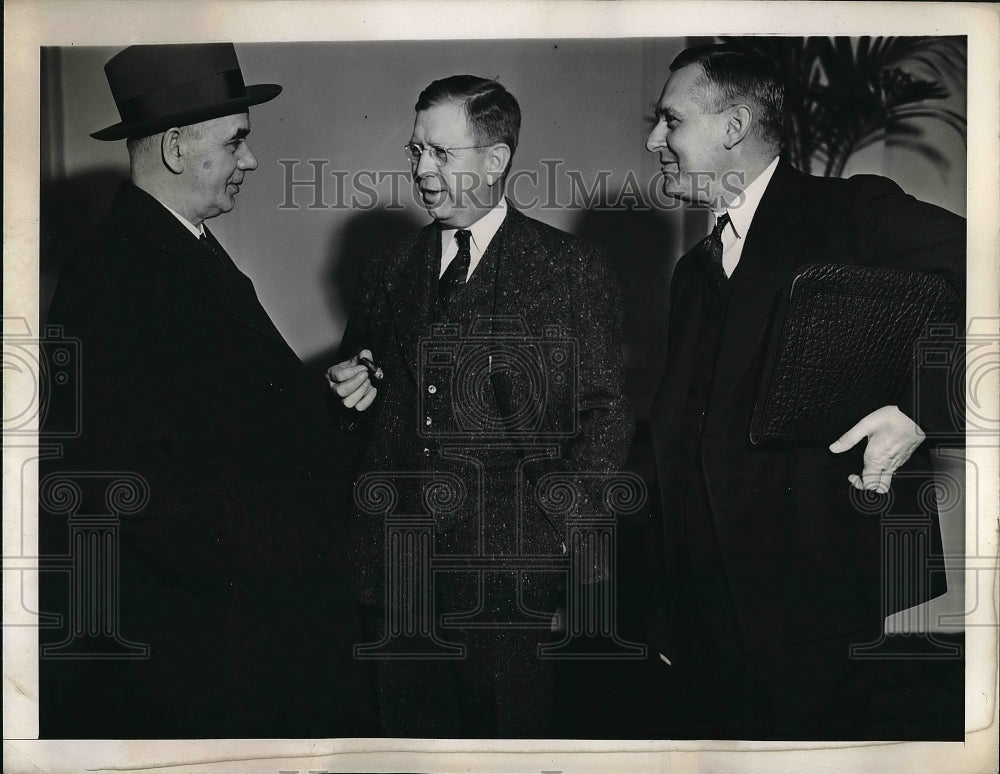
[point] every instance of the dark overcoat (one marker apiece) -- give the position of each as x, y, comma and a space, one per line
234, 572
803, 559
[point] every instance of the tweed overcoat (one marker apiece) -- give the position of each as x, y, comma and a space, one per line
541, 384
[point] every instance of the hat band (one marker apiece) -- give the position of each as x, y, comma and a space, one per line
192, 95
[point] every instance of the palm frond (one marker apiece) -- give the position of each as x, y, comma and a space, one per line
927, 151
843, 94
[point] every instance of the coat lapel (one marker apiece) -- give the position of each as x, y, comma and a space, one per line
509, 268
670, 400
766, 266
227, 289
411, 283
500, 271
409, 286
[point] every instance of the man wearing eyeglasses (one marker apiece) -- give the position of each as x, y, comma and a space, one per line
515, 298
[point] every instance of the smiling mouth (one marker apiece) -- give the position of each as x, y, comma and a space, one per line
432, 195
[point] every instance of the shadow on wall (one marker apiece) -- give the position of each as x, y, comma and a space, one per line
69, 208
365, 235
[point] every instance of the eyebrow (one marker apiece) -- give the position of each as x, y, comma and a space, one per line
665, 112
239, 134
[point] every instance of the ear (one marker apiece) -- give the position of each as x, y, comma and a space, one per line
497, 161
171, 151
737, 125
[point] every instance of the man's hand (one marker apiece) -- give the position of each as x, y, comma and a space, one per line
892, 438
350, 380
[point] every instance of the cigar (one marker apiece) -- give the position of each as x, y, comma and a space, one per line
374, 371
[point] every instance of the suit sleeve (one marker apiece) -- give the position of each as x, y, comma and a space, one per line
604, 416
901, 232
604, 411
360, 334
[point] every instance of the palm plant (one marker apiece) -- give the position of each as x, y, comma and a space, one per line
843, 95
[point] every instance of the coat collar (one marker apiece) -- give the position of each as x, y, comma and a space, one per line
227, 289
147, 216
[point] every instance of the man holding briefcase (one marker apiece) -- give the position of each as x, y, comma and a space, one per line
774, 570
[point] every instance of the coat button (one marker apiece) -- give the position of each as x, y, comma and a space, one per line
427, 452
428, 421
431, 388
275, 387
305, 473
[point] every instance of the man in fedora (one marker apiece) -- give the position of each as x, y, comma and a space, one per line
231, 573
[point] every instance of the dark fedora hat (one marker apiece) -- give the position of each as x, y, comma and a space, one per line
156, 87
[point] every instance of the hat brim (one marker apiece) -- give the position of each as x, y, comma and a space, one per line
255, 95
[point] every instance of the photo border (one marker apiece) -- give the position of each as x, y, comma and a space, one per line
30, 25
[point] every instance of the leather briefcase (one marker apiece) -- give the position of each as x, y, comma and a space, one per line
842, 345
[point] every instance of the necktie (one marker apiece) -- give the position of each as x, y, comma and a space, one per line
225, 262
207, 244
712, 245
455, 275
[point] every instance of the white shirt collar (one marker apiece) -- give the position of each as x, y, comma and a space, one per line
198, 231
483, 231
743, 208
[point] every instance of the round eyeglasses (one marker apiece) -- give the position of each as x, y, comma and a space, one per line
438, 154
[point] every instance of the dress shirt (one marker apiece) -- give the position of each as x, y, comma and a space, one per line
483, 231
741, 212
